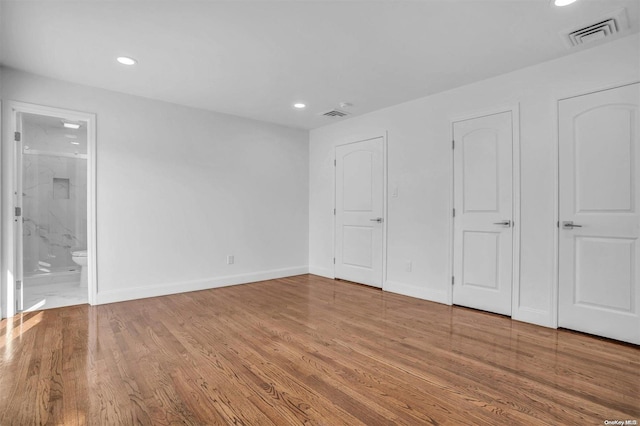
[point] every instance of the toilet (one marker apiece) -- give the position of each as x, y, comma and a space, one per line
80, 258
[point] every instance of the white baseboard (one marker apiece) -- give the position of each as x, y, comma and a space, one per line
432, 295
111, 296
323, 272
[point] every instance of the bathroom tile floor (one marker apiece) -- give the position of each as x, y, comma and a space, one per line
37, 297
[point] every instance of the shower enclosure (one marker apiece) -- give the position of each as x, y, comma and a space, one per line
51, 195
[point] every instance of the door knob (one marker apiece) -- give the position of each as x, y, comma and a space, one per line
568, 224
377, 219
503, 223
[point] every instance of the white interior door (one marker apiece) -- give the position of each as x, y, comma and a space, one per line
599, 290
483, 221
360, 211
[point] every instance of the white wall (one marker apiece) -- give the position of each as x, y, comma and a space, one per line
179, 189
419, 163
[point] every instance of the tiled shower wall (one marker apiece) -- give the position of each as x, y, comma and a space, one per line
54, 211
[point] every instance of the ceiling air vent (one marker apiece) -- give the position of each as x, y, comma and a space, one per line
605, 27
335, 113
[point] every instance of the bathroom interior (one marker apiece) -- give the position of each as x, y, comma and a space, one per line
52, 166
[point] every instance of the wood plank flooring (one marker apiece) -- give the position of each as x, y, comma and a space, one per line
305, 350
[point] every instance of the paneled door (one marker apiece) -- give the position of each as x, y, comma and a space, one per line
599, 290
483, 216
360, 211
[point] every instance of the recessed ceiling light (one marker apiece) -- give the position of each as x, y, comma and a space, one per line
125, 60
74, 143
299, 105
563, 2
68, 125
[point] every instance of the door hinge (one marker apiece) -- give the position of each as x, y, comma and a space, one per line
454, 212
17, 136
335, 162
334, 212
453, 144
334, 260
18, 211
452, 280
558, 224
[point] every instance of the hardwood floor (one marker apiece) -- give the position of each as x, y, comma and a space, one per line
305, 350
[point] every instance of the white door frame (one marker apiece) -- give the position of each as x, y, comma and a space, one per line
352, 140
515, 122
555, 285
2, 293
8, 260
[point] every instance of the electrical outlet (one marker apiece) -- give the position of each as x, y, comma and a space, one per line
230, 259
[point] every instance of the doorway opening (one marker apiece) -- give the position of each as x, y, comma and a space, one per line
54, 198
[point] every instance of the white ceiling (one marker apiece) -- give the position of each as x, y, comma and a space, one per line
256, 58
